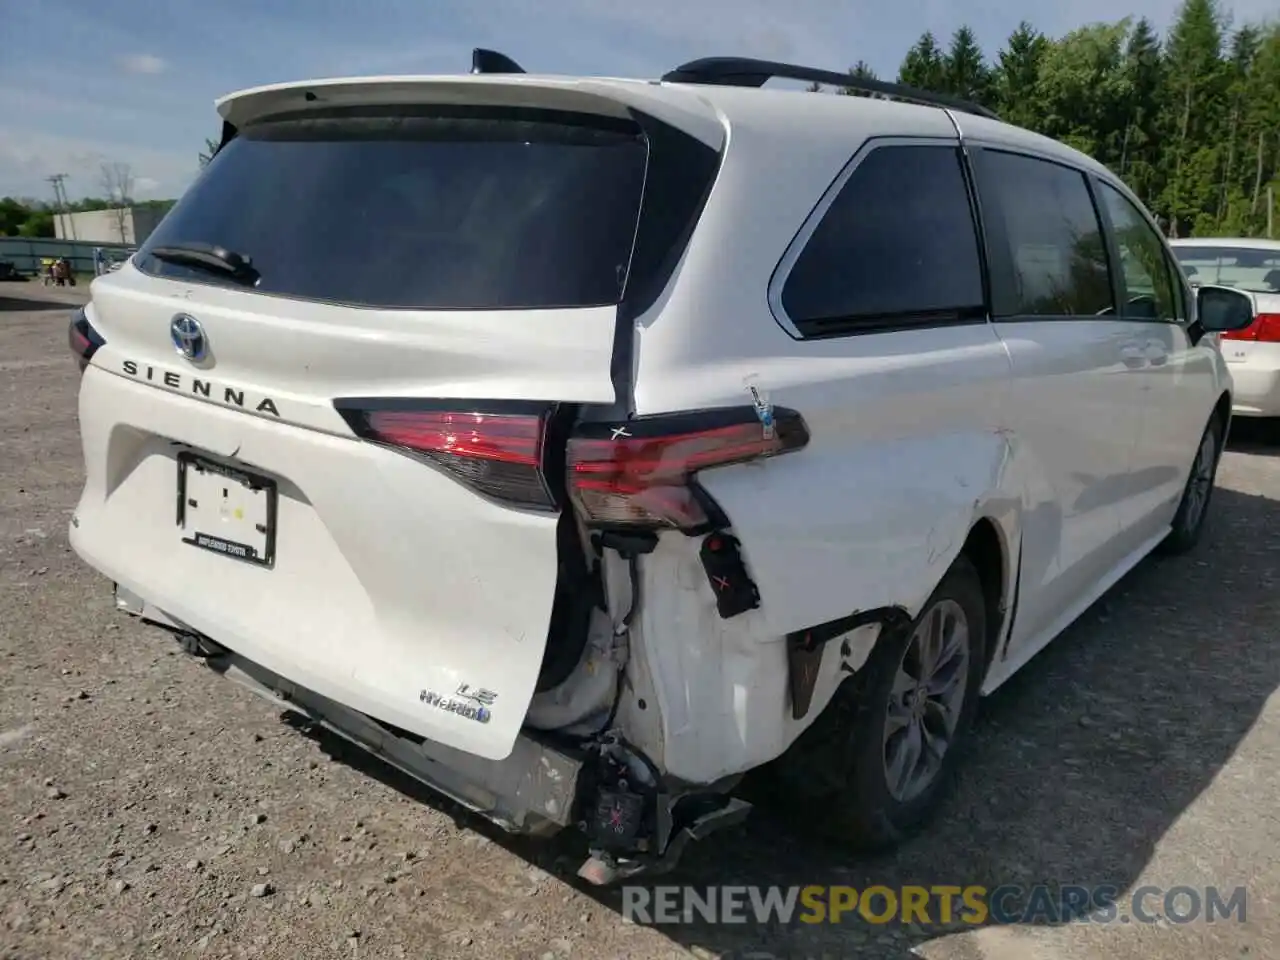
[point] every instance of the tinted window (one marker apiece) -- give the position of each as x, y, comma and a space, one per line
1043, 216
1147, 282
470, 210
1247, 268
898, 243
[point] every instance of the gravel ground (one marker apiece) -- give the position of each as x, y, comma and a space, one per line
149, 809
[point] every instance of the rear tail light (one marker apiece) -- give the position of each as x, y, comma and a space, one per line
496, 450
636, 473
641, 472
1264, 329
83, 339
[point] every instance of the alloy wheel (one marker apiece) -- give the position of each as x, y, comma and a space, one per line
926, 699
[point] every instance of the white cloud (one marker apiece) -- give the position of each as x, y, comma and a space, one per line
144, 63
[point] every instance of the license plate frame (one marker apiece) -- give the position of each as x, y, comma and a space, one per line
253, 483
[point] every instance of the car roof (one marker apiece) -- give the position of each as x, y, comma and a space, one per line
1254, 243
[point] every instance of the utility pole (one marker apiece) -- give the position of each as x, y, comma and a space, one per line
62, 203
1271, 210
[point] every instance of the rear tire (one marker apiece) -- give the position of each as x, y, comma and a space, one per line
853, 772
1193, 509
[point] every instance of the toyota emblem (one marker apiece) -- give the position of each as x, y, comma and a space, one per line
188, 337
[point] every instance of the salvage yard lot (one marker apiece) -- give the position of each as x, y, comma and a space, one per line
142, 801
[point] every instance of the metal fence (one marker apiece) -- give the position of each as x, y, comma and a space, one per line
25, 254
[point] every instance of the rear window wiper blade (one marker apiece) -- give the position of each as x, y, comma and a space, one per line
212, 258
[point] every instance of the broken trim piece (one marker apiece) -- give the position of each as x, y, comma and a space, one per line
734, 590
805, 647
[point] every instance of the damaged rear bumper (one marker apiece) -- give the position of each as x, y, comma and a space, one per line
537, 790
532, 791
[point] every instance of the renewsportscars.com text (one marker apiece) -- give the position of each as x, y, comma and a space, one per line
933, 905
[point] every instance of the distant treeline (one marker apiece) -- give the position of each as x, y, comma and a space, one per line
1191, 122
34, 218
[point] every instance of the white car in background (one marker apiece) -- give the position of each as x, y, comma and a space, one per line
1253, 354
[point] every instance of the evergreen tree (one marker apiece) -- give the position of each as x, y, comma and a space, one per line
1140, 141
1016, 75
860, 71
923, 66
965, 70
1195, 103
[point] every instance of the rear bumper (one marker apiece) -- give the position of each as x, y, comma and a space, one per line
1256, 391
533, 791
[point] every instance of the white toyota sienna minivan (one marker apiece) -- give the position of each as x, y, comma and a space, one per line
579, 445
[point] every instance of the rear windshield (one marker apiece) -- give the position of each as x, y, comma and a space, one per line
468, 209
1245, 268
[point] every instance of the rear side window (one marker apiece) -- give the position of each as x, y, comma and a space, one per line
1049, 256
463, 209
897, 247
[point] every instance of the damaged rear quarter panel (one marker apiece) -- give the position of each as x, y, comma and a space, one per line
875, 526
908, 450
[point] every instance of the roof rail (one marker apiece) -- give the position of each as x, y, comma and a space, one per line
491, 61
747, 72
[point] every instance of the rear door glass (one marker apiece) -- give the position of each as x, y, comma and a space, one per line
465, 209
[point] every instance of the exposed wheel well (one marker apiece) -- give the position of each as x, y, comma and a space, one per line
1222, 411
985, 549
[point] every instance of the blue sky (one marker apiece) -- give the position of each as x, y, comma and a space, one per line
85, 82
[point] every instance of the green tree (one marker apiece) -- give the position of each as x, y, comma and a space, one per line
1230, 213
1082, 90
965, 70
1017, 74
1195, 102
923, 66
1140, 143
39, 223
13, 214
1259, 137
859, 71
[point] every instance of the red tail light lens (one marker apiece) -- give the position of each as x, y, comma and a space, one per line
1264, 329
496, 452
641, 472
630, 473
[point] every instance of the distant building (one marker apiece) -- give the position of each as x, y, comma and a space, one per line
126, 225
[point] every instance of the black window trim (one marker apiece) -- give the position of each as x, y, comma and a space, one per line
892, 323
998, 257
1179, 289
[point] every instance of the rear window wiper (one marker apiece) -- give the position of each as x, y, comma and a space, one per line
212, 258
